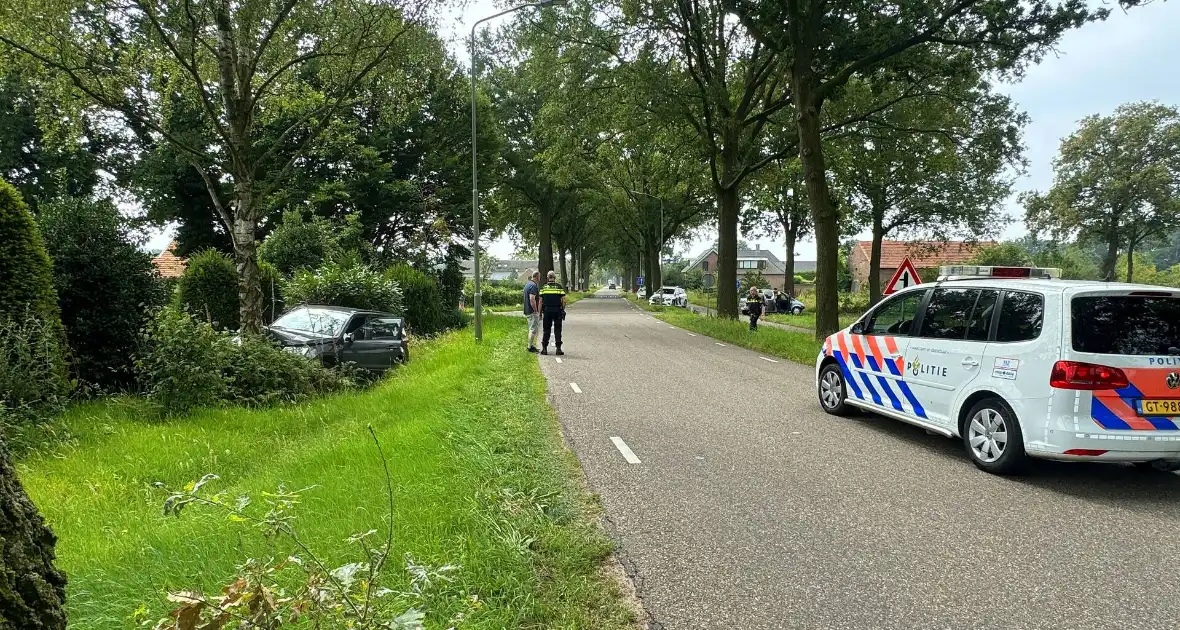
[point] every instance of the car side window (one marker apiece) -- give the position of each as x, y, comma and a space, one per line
981, 317
383, 328
355, 326
895, 316
948, 313
1021, 316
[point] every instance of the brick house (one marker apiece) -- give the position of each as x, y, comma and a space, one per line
924, 255
169, 264
759, 259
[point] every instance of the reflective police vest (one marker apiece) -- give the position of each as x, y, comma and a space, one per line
551, 295
754, 302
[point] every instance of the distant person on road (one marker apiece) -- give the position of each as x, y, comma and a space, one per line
754, 303
532, 308
552, 311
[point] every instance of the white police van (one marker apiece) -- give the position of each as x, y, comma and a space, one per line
1017, 363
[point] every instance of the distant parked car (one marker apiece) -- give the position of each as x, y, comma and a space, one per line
772, 305
611, 286
373, 340
670, 296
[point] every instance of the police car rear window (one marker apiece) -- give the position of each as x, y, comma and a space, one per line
1126, 324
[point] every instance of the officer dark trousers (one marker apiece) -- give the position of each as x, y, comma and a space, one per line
551, 320
755, 313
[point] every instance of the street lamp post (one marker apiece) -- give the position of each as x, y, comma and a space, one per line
475, 160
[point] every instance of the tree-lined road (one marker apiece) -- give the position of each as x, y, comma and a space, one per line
751, 508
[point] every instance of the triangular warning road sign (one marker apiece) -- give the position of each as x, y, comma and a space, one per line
905, 276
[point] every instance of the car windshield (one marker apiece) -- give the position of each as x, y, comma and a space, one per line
668, 291
1126, 324
318, 321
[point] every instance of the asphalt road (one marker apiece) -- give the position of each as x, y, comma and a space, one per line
751, 508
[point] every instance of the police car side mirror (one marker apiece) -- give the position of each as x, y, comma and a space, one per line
858, 328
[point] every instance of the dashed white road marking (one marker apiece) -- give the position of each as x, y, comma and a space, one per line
768, 359
558, 359
719, 343
628, 454
574, 386
691, 335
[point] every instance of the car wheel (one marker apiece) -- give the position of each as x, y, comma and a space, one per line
798, 310
993, 439
832, 392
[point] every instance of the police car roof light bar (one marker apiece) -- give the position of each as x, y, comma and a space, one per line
969, 272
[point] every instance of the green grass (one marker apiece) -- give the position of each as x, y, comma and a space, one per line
700, 298
806, 319
480, 478
570, 298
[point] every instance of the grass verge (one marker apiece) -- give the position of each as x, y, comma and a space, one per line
806, 319
481, 480
794, 346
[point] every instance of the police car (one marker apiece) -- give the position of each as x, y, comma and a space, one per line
1019, 364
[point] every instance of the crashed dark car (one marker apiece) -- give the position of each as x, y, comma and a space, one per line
373, 340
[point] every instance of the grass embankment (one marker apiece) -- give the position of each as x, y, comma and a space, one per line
806, 319
570, 298
795, 346
481, 480
700, 298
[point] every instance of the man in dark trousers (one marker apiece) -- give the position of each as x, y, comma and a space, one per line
754, 303
552, 311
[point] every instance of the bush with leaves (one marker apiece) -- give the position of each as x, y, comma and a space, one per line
754, 278
298, 243
352, 286
422, 299
187, 363
209, 290
106, 287
33, 378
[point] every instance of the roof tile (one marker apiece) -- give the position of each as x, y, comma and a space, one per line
924, 254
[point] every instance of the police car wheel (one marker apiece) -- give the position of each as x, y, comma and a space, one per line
992, 437
832, 392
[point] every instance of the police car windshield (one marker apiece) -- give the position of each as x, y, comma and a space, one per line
669, 290
1126, 324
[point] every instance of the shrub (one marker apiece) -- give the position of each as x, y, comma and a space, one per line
33, 382
422, 299
352, 286
26, 277
754, 278
187, 363
298, 244
209, 290
450, 284
105, 285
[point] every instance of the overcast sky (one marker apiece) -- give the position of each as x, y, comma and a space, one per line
1132, 56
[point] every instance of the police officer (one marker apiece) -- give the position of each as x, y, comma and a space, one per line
754, 303
552, 311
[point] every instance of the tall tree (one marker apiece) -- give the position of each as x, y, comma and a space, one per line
704, 68
828, 42
1116, 182
290, 64
779, 201
932, 167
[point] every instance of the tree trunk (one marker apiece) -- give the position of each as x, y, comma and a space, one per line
1110, 260
32, 591
1130, 260
545, 246
729, 201
653, 262
565, 277
789, 263
250, 298
875, 254
827, 228
573, 269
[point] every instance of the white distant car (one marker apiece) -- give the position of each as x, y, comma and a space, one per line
669, 296
1017, 364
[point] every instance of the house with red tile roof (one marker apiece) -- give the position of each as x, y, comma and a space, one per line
169, 264
924, 255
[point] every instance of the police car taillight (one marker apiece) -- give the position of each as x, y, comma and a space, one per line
1087, 376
